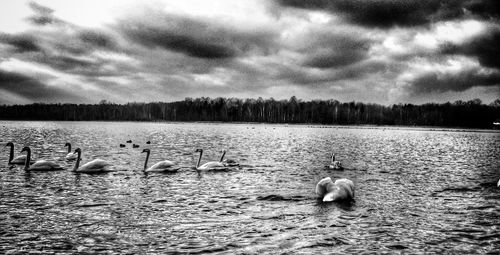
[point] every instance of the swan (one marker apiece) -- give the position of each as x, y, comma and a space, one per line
227, 162
19, 160
342, 189
40, 165
209, 165
336, 165
94, 166
70, 155
166, 166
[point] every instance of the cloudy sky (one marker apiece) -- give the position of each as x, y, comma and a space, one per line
381, 51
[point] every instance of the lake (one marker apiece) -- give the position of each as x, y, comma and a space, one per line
418, 190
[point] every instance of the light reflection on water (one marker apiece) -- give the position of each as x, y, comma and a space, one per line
417, 190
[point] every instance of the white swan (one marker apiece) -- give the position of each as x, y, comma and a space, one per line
342, 189
71, 155
498, 184
335, 165
41, 165
227, 162
94, 166
166, 166
209, 165
19, 160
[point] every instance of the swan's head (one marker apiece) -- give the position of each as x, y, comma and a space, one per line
67, 144
77, 150
198, 150
9, 144
145, 150
223, 151
26, 149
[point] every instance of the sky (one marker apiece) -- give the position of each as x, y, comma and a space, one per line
372, 51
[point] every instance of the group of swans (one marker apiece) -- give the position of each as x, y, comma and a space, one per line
341, 189
94, 166
99, 165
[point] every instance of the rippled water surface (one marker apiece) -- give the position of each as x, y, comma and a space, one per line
417, 190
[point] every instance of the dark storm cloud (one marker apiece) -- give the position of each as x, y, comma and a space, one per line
337, 51
20, 42
31, 88
195, 38
439, 82
484, 47
42, 15
390, 13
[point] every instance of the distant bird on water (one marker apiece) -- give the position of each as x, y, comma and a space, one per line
94, 166
71, 155
335, 164
41, 165
19, 160
122, 145
148, 142
165, 166
341, 189
209, 165
129, 141
227, 162
135, 145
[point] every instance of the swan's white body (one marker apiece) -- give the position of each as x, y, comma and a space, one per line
44, 165
498, 184
335, 164
19, 160
41, 165
71, 156
94, 166
162, 166
341, 189
213, 165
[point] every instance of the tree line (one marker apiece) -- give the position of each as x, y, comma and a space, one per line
471, 114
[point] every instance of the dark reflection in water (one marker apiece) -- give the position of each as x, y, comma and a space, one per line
417, 190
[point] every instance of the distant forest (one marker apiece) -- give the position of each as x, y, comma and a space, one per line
471, 114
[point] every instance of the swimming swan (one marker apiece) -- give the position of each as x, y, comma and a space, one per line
19, 160
71, 155
209, 165
227, 162
342, 189
94, 166
335, 165
166, 166
41, 165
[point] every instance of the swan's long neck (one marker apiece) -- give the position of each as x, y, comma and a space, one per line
333, 157
77, 164
146, 162
69, 147
28, 158
199, 160
11, 156
222, 157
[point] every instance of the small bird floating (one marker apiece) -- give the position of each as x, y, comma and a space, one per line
135, 145
129, 141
